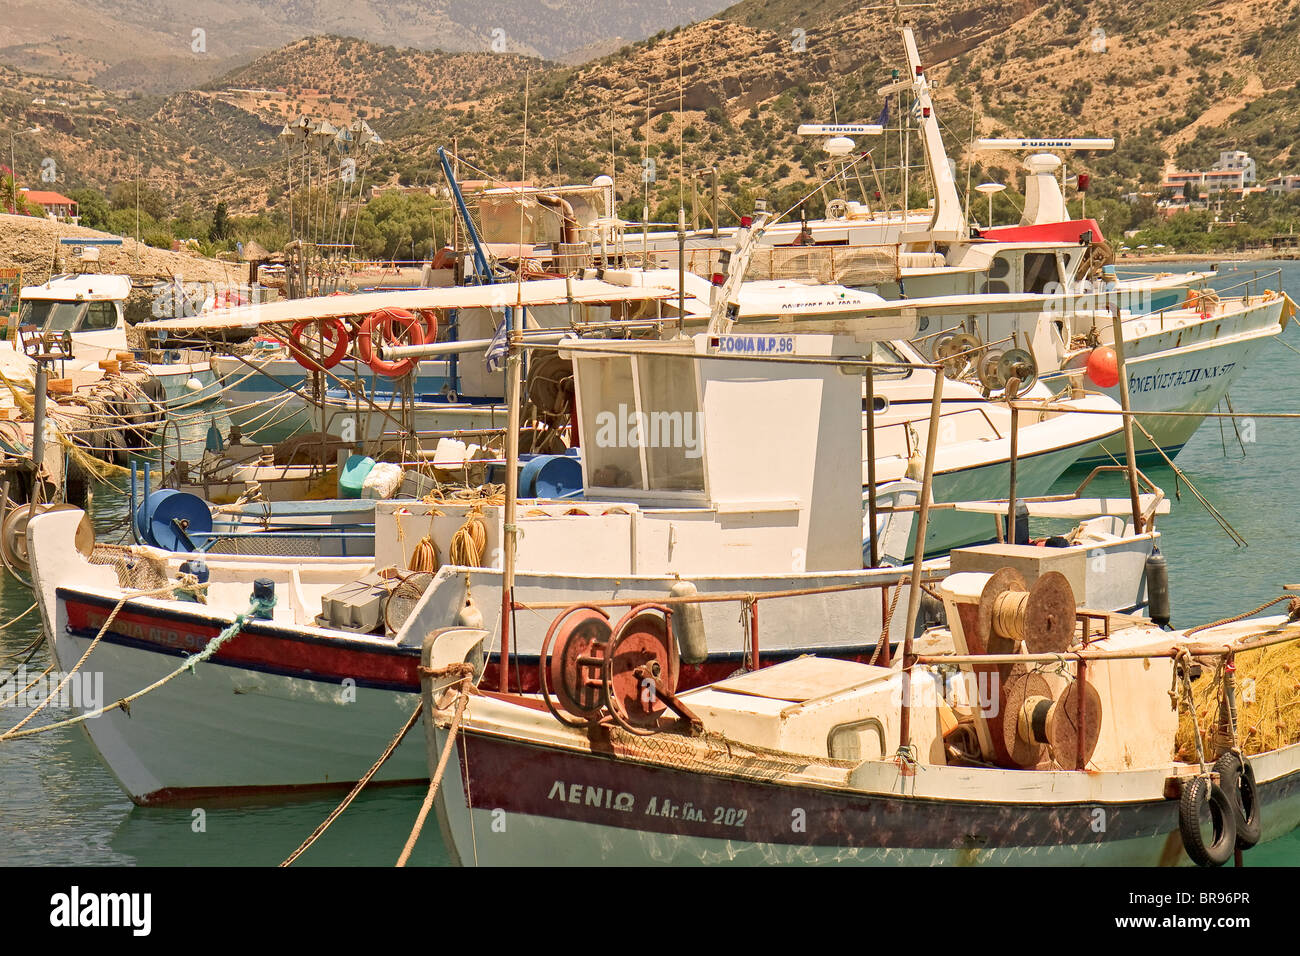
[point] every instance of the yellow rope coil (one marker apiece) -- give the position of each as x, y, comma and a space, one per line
425, 557
1009, 614
469, 543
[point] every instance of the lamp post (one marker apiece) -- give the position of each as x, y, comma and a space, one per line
990, 190
13, 173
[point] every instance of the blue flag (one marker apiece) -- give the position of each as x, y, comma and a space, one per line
884, 113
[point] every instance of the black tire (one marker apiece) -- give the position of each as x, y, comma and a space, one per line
1237, 779
1199, 795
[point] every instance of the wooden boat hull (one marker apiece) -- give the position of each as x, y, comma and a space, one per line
558, 805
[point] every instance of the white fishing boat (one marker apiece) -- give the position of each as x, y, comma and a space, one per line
305, 697
90, 307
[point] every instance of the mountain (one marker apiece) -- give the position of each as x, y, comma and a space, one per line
1174, 81
158, 46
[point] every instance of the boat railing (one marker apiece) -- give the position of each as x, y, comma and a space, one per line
1253, 286
748, 601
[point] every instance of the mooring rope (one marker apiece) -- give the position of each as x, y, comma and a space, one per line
465, 672
352, 794
1239, 617
257, 607
452, 730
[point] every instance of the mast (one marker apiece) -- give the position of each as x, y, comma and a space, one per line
947, 222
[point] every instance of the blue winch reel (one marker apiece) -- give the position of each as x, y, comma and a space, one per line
550, 476
174, 520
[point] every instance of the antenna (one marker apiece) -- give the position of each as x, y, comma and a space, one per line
1043, 144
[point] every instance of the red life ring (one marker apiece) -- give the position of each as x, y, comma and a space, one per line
332, 330
388, 323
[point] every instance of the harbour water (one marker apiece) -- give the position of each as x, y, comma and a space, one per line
59, 806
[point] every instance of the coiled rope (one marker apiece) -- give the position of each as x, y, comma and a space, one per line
469, 543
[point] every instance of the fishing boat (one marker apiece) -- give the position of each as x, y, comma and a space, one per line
302, 696
90, 307
1029, 731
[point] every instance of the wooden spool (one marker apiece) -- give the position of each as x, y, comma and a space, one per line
1070, 749
1003, 582
1050, 614
1020, 688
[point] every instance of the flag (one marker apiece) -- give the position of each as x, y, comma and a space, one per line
496, 351
883, 120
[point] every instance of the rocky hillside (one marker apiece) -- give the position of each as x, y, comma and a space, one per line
159, 46
33, 246
1173, 80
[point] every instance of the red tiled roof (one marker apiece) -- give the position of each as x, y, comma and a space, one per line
46, 198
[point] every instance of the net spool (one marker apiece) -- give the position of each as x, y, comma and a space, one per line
1041, 721
571, 664
1070, 746
1022, 689
1003, 582
1042, 618
642, 663
1019, 364
956, 352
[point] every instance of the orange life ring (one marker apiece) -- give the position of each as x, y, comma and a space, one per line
388, 324
332, 330
430, 324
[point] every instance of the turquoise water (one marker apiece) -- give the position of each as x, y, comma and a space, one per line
59, 806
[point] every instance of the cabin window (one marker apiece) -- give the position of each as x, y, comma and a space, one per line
883, 352
51, 316
608, 404
671, 424
999, 279
641, 424
99, 316
1040, 272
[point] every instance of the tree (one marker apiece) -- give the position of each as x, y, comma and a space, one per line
92, 207
220, 228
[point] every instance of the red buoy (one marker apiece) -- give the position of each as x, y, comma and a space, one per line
1103, 367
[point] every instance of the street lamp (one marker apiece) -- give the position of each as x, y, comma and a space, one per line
990, 190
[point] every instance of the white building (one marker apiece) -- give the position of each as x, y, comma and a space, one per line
1237, 160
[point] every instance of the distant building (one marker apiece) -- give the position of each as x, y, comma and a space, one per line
1283, 184
1234, 172
56, 205
1234, 160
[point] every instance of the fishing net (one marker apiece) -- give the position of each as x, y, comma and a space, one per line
135, 569
715, 753
1267, 683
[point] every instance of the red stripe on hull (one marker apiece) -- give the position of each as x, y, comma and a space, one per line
318, 658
